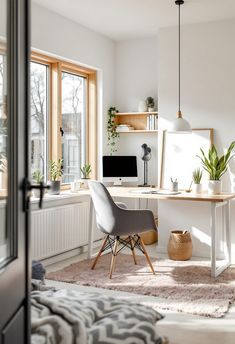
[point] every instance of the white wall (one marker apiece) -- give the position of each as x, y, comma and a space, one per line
136, 79
57, 35
208, 100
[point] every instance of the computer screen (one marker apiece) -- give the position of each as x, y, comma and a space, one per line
120, 168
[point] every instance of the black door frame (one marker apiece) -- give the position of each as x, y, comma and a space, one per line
15, 273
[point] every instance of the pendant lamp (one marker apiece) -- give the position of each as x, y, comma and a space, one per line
180, 125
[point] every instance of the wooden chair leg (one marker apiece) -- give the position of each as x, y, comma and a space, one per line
133, 249
146, 254
113, 260
100, 252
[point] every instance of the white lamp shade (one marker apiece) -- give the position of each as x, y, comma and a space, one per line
180, 125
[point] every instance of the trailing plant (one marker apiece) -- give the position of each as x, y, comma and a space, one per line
55, 169
111, 128
37, 176
197, 176
150, 102
86, 170
216, 166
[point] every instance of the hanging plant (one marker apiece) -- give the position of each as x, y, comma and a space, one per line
111, 128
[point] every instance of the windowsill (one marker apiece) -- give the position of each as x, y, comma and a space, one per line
63, 195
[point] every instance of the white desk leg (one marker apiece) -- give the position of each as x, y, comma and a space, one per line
90, 231
228, 232
216, 271
213, 239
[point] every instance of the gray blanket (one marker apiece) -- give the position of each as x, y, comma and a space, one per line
72, 317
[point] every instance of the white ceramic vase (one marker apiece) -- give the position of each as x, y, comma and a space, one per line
142, 107
197, 188
214, 187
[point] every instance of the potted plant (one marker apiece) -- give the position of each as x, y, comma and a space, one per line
111, 128
150, 104
216, 167
86, 171
37, 177
197, 177
55, 172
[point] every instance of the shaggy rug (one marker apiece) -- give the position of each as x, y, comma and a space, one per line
180, 286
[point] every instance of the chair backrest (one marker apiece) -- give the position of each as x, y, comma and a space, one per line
105, 208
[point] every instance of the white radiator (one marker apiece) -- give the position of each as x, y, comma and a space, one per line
60, 229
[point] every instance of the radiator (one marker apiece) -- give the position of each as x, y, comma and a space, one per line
60, 229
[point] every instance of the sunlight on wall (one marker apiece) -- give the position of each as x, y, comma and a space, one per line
201, 236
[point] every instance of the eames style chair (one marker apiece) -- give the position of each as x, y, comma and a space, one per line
120, 225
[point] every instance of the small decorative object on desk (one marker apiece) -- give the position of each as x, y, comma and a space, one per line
180, 245
216, 166
174, 185
86, 171
197, 177
55, 173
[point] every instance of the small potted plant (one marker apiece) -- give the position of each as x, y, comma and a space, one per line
55, 173
216, 167
197, 177
86, 171
37, 178
150, 104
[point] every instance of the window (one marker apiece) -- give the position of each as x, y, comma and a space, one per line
63, 116
73, 125
39, 117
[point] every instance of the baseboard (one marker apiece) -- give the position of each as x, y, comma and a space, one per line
198, 254
69, 254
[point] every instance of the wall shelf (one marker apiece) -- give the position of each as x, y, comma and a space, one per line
136, 113
138, 131
138, 120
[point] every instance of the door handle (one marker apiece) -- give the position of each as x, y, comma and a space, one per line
27, 187
40, 187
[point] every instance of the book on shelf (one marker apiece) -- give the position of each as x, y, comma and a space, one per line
124, 127
152, 122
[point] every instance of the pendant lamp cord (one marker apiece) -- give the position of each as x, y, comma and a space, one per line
179, 60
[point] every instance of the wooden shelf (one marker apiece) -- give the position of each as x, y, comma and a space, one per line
136, 113
137, 131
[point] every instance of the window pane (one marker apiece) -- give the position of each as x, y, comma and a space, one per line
39, 112
73, 123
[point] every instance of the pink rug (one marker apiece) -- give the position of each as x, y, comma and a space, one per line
180, 286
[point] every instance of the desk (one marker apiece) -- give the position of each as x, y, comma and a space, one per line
222, 200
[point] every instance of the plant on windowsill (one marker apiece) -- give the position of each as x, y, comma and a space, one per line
55, 173
197, 177
111, 128
37, 178
216, 167
86, 171
150, 104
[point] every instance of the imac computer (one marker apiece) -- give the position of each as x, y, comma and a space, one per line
118, 169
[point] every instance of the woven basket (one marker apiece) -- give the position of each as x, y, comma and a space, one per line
150, 237
180, 245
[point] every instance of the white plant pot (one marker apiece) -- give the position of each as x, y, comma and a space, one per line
150, 109
85, 183
214, 187
142, 107
36, 193
197, 188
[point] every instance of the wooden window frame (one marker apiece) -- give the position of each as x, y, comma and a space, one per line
56, 67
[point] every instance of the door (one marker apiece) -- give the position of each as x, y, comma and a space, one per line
14, 240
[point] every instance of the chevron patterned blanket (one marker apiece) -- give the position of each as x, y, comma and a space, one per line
72, 317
